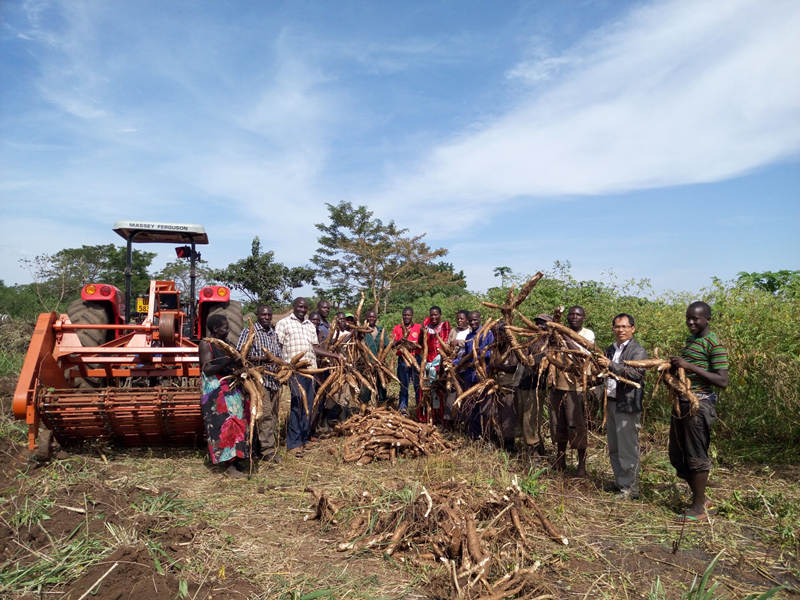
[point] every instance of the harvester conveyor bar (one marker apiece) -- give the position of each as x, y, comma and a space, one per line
131, 417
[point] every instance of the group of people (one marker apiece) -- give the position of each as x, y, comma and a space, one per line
517, 409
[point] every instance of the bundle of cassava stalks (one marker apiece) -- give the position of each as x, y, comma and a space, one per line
357, 366
385, 434
674, 379
554, 347
477, 535
548, 348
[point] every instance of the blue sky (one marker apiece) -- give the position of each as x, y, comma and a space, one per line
656, 140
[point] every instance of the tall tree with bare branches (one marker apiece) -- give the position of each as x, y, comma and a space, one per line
358, 252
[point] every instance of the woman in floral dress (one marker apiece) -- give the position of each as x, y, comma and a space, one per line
226, 413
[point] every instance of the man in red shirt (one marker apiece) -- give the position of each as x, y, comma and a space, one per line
407, 333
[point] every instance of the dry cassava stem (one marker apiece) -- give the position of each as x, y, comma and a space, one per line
526, 289
248, 343
548, 526
574, 336
224, 346
678, 383
473, 542
448, 533
358, 309
396, 537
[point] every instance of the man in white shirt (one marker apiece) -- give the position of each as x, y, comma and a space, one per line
298, 335
624, 407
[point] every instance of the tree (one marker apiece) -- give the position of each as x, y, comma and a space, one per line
358, 252
778, 283
60, 276
18, 301
432, 279
261, 279
502, 273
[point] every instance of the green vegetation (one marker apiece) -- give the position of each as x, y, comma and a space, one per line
260, 278
58, 277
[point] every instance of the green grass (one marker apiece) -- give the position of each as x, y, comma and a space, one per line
166, 505
531, 484
11, 362
330, 586
29, 511
64, 563
706, 589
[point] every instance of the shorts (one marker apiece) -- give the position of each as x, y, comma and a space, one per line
690, 436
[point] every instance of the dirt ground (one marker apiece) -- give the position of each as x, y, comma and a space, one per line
107, 523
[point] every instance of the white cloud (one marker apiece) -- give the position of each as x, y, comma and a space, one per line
676, 93
252, 157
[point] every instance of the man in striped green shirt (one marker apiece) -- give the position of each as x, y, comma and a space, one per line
706, 363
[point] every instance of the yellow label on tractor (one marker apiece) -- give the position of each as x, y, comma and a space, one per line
142, 305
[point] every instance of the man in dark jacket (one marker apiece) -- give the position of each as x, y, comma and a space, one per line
624, 407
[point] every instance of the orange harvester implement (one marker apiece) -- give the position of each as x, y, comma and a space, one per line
132, 416
133, 380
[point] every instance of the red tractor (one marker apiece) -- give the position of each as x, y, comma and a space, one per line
96, 373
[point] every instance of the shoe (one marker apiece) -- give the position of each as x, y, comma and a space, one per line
274, 459
626, 494
611, 488
692, 519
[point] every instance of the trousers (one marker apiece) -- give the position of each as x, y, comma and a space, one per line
298, 431
623, 446
406, 373
268, 424
529, 410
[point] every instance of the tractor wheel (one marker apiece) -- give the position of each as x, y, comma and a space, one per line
233, 312
90, 313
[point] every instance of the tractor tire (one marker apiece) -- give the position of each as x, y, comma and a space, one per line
233, 312
90, 313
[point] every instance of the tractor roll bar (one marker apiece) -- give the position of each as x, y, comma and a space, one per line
161, 233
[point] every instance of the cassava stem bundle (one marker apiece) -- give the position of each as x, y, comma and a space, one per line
677, 383
385, 434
